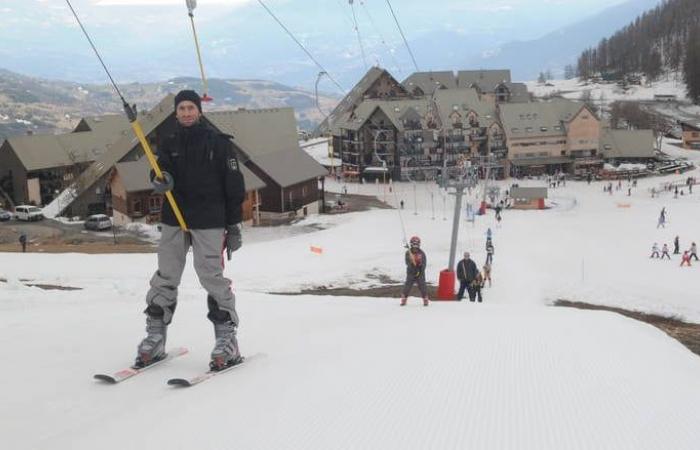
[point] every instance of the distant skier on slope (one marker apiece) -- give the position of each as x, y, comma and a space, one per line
487, 273
489, 251
201, 170
685, 259
662, 218
676, 246
654, 250
416, 262
664, 252
477, 284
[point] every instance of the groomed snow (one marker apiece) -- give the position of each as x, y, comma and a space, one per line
358, 373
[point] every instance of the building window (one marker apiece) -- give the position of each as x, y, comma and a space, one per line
563, 153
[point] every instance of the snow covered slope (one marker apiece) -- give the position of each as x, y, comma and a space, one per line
609, 92
361, 373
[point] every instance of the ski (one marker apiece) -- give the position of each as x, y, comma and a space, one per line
189, 382
125, 374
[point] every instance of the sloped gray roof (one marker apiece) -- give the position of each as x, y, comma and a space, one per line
105, 124
537, 119
486, 80
354, 97
518, 92
149, 121
38, 152
269, 138
135, 176
463, 101
528, 192
393, 109
626, 143
430, 81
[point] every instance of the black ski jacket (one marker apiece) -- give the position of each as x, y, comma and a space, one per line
209, 187
415, 263
466, 270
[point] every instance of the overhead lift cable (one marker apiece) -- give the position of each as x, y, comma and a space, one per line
130, 111
191, 5
357, 31
342, 89
402, 35
381, 37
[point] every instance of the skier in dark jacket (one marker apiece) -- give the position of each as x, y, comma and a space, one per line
489, 251
676, 246
201, 170
466, 274
416, 263
23, 241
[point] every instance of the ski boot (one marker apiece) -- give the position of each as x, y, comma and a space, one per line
403, 301
225, 353
426, 302
152, 348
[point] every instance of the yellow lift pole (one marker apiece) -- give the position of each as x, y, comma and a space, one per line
136, 126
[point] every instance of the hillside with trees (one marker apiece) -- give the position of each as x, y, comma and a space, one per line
662, 40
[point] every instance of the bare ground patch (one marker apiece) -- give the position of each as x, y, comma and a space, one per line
686, 333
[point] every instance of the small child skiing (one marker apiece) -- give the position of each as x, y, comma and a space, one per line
487, 273
416, 262
685, 259
477, 284
693, 251
654, 251
489, 251
664, 252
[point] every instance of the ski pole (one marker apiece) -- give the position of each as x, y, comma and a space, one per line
135, 125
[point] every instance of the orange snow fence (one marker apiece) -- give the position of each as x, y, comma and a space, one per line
317, 250
624, 205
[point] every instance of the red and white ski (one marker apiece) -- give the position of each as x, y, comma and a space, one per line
125, 374
189, 382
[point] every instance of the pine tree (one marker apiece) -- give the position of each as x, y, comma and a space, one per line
691, 66
569, 72
541, 79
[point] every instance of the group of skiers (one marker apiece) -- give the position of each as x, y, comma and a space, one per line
470, 278
556, 180
687, 255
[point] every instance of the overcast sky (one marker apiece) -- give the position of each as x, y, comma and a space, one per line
240, 31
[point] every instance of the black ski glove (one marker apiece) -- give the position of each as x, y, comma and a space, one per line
233, 240
164, 185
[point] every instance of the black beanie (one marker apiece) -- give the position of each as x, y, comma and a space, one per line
188, 95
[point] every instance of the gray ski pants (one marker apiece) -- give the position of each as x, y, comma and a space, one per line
207, 246
419, 280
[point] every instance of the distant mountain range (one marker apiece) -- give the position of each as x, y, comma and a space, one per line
48, 106
253, 46
561, 47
